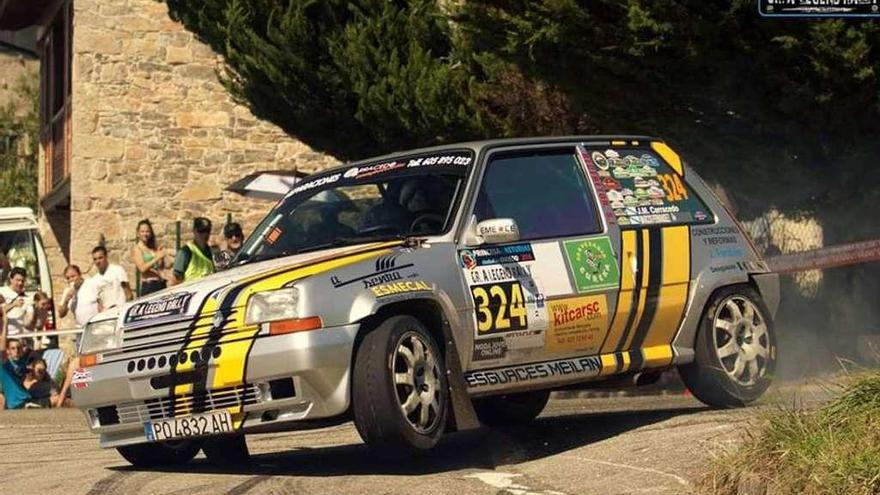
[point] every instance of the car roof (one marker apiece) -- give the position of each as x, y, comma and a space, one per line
478, 146
16, 213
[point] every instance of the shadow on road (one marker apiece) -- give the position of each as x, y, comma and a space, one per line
484, 448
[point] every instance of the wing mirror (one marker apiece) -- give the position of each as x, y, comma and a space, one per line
492, 231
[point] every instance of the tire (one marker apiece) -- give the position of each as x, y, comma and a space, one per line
227, 450
160, 454
734, 356
399, 390
512, 409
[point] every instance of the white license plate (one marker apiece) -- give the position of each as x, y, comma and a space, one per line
189, 426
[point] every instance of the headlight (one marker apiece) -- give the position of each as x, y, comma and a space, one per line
100, 336
271, 306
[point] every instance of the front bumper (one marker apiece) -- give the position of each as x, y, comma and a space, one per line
117, 402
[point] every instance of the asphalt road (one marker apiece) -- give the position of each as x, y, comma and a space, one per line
607, 446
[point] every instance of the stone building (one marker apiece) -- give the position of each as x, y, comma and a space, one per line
135, 124
19, 64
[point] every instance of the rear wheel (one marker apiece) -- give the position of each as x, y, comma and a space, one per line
172, 453
226, 450
735, 352
511, 409
399, 388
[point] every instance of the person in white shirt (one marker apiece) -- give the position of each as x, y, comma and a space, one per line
18, 307
114, 287
80, 297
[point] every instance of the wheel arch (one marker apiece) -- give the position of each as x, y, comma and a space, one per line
765, 284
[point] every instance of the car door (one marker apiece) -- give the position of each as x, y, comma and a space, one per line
547, 297
645, 190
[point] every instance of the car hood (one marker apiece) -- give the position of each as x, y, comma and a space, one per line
183, 301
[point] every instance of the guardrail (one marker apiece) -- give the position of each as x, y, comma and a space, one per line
46, 333
828, 257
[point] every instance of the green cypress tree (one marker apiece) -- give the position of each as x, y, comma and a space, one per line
352, 78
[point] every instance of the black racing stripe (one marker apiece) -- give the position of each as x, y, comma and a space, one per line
652, 296
636, 360
172, 400
636, 294
200, 388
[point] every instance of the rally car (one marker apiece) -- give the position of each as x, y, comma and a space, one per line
438, 289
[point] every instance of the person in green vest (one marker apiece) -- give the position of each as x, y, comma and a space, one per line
195, 260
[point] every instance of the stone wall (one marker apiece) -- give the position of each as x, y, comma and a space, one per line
13, 67
155, 135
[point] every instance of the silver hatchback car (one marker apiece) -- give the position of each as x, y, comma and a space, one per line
438, 289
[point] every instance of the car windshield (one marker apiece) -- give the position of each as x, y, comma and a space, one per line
388, 200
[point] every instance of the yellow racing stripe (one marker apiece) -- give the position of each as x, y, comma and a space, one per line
644, 270
624, 295
674, 289
236, 339
656, 356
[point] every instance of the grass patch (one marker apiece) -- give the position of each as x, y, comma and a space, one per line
832, 449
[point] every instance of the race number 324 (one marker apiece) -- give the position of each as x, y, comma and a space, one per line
500, 307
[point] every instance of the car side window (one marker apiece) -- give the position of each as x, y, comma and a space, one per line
546, 193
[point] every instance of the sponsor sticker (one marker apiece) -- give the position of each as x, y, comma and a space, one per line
462, 159
386, 270
577, 323
586, 366
491, 348
82, 377
592, 264
170, 305
321, 181
516, 253
391, 289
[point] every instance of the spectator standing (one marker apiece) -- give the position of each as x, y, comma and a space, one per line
149, 258
113, 280
234, 238
195, 260
80, 297
12, 369
18, 307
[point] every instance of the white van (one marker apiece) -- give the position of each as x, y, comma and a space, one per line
21, 245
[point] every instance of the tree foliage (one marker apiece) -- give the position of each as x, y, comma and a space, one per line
770, 108
19, 130
354, 78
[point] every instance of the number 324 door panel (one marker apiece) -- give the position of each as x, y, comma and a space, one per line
521, 306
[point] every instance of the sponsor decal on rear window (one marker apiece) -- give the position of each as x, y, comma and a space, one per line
641, 189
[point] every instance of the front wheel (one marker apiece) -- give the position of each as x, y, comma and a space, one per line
735, 352
399, 389
172, 453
